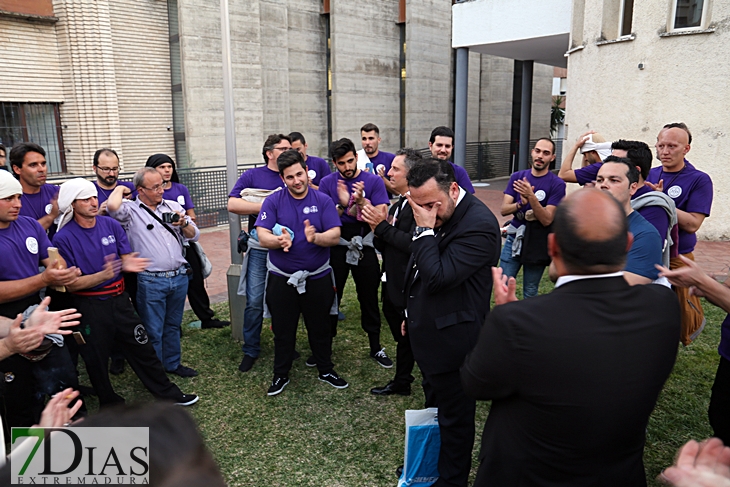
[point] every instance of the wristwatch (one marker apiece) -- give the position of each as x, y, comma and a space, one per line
340, 207
420, 230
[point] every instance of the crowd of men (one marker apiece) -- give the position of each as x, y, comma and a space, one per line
573, 375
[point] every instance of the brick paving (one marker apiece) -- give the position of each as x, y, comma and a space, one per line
712, 256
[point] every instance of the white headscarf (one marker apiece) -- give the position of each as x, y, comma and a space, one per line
603, 148
9, 186
75, 189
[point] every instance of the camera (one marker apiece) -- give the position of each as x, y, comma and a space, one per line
170, 217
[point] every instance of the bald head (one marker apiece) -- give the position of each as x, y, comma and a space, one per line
591, 233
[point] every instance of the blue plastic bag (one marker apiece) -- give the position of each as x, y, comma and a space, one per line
422, 446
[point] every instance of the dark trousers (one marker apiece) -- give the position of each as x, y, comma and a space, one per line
404, 360
367, 281
719, 411
197, 295
105, 322
456, 425
285, 305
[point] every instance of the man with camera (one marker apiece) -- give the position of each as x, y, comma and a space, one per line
157, 229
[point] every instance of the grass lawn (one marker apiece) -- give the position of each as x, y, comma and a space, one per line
314, 435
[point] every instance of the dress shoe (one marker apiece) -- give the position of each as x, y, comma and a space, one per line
117, 366
214, 323
183, 371
247, 363
391, 388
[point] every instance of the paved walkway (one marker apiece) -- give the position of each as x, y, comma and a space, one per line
712, 256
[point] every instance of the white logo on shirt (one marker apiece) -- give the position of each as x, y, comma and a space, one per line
263, 216
32, 245
309, 209
312, 174
540, 195
674, 191
181, 200
49, 207
108, 240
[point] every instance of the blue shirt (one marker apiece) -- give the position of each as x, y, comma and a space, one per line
646, 251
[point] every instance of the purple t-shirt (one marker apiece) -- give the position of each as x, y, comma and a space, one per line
374, 190
317, 169
691, 190
462, 178
656, 215
104, 194
179, 192
86, 248
23, 245
38, 205
549, 190
587, 174
258, 178
282, 208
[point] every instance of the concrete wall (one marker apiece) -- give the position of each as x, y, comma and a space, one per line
683, 79
308, 73
366, 69
428, 69
496, 98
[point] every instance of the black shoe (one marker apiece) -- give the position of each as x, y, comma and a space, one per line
247, 363
277, 385
183, 371
391, 388
117, 366
187, 400
399, 471
334, 380
310, 362
214, 323
381, 358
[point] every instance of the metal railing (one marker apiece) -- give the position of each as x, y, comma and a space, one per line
207, 185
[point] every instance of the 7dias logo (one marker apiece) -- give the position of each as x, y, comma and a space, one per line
80, 456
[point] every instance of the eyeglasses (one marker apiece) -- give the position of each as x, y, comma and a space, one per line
107, 169
282, 149
156, 188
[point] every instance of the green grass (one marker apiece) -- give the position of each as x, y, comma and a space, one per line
314, 435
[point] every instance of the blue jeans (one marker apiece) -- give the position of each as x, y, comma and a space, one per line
531, 274
253, 315
160, 303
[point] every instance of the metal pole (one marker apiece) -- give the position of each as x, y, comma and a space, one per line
525, 115
460, 105
236, 303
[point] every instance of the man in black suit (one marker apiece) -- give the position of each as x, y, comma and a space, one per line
393, 236
574, 375
447, 291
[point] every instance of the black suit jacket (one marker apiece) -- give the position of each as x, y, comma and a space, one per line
574, 376
448, 298
394, 244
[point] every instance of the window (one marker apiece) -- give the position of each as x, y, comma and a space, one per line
688, 14
627, 14
34, 122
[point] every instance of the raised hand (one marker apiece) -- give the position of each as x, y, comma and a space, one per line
504, 287
358, 193
705, 464
310, 232
373, 215
343, 193
57, 413
656, 187
284, 240
133, 263
425, 217
56, 275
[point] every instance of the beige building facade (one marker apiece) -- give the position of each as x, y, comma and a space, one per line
635, 66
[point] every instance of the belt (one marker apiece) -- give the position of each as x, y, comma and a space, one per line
182, 270
114, 289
